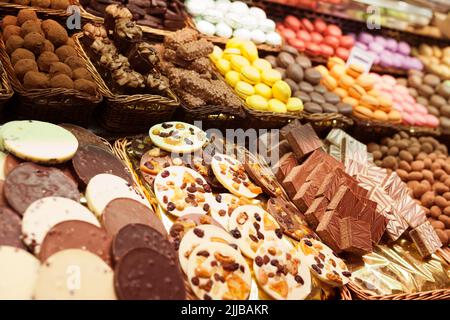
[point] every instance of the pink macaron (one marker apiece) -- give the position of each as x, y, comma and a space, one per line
407, 107
431, 121
389, 80
419, 119
401, 89
410, 99
420, 108
408, 118
398, 107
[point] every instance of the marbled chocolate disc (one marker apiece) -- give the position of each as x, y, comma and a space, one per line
10, 229
122, 211
90, 161
30, 182
141, 236
84, 136
75, 234
145, 274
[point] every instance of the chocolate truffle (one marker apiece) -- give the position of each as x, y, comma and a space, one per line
14, 42
25, 65
34, 42
41, 3
46, 59
60, 68
86, 86
36, 80
10, 31
9, 21
20, 54
81, 73
31, 26
64, 52
74, 62
26, 14
60, 4
61, 81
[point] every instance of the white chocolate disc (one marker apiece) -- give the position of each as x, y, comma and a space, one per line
251, 226
323, 262
222, 207
178, 137
75, 274
224, 268
104, 188
39, 141
199, 235
45, 213
280, 272
231, 174
2, 165
180, 190
18, 274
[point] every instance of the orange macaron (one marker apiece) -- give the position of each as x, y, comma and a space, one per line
380, 115
355, 70
369, 102
334, 61
338, 71
363, 112
366, 81
322, 70
342, 93
394, 116
351, 101
356, 91
329, 82
346, 81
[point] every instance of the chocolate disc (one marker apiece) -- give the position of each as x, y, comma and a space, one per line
84, 136
140, 145
11, 162
10, 229
123, 211
90, 161
153, 162
76, 234
289, 218
141, 236
3, 201
187, 222
144, 274
30, 182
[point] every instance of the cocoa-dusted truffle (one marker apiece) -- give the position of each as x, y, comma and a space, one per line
74, 62
49, 24
36, 80
61, 81
48, 46
81, 73
9, 21
60, 68
34, 42
64, 52
60, 4
10, 31
57, 36
31, 26
86, 86
46, 59
14, 42
25, 65
41, 3
70, 42
20, 54
26, 14
21, 2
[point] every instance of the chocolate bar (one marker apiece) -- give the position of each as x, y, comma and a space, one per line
280, 149
290, 126
305, 196
329, 230
426, 239
294, 180
355, 236
411, 211
285, 166
316, 211
303, 140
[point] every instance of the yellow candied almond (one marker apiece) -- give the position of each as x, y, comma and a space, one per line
234, 43
244, 89
249, 50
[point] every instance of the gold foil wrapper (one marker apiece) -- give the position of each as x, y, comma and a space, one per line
399, 268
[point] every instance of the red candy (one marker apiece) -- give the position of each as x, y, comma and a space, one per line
320, 25
307, 25
288, 34
304, 35
342, 53
292, 22
347, 42
280, 27
326, 50
316, 37
297, 44
331, 41
312, 48
333, 30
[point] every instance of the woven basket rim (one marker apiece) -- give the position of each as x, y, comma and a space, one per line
396, 126
41, 93
171, 102
49, 11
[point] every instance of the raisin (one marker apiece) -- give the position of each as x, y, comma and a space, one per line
219, 198
230, 266
191, 189
199, 233
222, 213
279, 233
256, 226
199, 181
236, 233
316, 269
257, 217
207, 188
253, 238
234, 246
206, 207
188, 142
260, 235
166, 125
171, 206
299, 279
165, 174
274, 262
165, 199
347, 274
195, 281
308, 243
203, 253
259, 261
207, 297
266, 259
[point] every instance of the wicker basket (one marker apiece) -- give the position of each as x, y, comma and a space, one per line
6, 91
53, 104
13, 8
129, 113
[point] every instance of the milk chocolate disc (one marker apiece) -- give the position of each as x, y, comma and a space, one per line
187, 222
84, 136
90, 161
153, 162
144, 274
141, 236
10, 229
3, 201
76, 234
262, 176
11, 162
122, 211
30, 182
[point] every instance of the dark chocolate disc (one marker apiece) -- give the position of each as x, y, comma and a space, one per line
84, 136
30, 182
152, 163
90, 161
289, 218
141, 236
140, 145
122, 211
145, 274
75, 234
10, 229
187, 222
